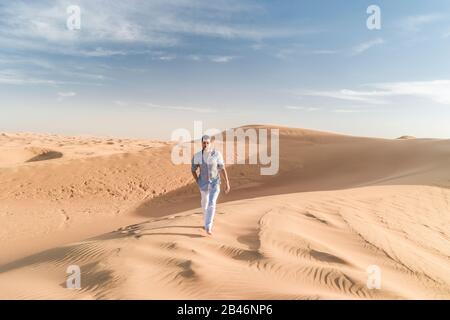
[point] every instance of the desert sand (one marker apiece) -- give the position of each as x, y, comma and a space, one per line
130, 218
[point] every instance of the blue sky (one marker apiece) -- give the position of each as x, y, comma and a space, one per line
146, 68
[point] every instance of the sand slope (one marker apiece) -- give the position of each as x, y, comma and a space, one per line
338, 205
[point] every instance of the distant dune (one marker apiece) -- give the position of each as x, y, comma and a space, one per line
338, 205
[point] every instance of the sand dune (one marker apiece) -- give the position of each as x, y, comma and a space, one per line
338, 205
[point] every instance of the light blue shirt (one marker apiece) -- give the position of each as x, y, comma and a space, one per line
210, 164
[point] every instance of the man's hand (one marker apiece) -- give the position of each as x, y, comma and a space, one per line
227, 188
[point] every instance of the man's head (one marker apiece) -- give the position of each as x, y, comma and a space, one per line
206, 142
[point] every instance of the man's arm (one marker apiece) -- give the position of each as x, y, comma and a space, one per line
194, 167
194, 174
223, 170
225, 176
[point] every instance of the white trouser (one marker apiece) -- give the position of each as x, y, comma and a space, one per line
208, 203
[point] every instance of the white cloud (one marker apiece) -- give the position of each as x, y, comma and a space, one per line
350, 95
216, 59
100, 22
221, 59
121, 103
362, 47
302, 108
437, 91
295, 49
26, 70
14, 60
194, 57
285, 53
41, 25
14, 77
165, 58
257, 46
97, 52
181, 108
63, 95
178, 25
324, 51
416, 23
347, 111
66, 94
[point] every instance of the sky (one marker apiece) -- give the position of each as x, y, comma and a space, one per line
146, 68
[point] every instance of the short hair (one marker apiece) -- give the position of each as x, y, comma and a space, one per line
205, 137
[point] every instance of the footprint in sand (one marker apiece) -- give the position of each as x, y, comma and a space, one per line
64, 218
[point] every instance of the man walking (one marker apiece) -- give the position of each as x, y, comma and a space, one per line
211, 164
